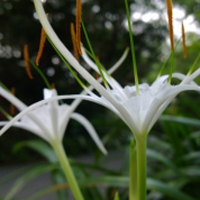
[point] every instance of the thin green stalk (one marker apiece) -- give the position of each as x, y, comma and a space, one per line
3, 86
93, 55
5, 113
132, 48
141, 167
133, 171
194, 65
171, 67
116, 196
41, 74
163, 66
59, 150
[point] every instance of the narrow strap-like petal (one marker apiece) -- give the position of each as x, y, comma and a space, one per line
169, 95
191, 77
88, 126
112, 82
26, 127
73, 62
121, 114
12, 99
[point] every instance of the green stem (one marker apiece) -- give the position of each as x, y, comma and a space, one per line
141, 167
59, 150
171, 67
132, 48
133, 171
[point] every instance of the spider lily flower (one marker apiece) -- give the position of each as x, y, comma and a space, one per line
50, 120
144, 109
139, 112
55, 116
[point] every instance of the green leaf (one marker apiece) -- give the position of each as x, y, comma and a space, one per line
116, 196
192, 156
191, 171
39, 146
13, 174
183, 120
158, 156
31, 174
152, 184
167, 190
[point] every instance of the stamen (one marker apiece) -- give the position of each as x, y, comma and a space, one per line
26, 60
170, 22
53, 86
184, 41
76, 54
12, 107
41, 46
97, 76
7, 115
78, 25
134, 63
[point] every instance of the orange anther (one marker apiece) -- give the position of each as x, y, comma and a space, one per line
26, 60
41, 46
53, 86
76, 54
184, 41
78, 25
170, 22
97, 76
97, 58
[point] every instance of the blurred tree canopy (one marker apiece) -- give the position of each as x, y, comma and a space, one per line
106, 25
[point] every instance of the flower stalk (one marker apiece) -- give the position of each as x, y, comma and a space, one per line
133, 171
141, 142
62, 156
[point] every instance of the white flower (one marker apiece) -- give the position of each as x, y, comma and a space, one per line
139, 112
50, 120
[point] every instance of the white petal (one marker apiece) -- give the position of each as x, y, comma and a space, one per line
64, 113
88, 126
191, 77
12, 99
182, 77
119, 62
26, 127
41, 103
49, 93
112, 82
183, 87
159, 84
74, 63
88, 60
168, 96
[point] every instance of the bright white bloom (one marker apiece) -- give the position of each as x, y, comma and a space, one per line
139, 112
50, 120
